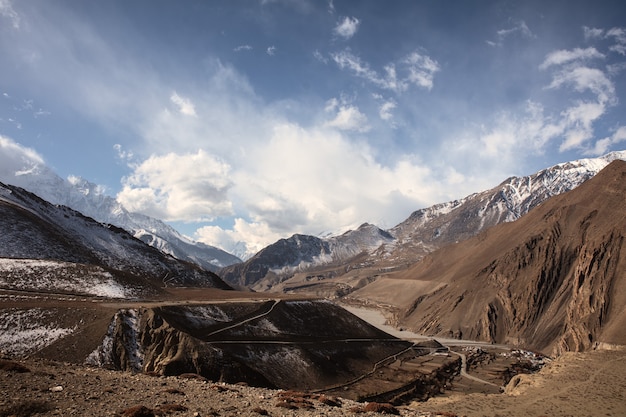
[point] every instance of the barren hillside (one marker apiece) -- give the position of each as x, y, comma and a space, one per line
553, 280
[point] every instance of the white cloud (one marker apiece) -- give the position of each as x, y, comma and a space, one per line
602, 146
123, 154
7, 11
320, 57
414, 69
592, 33
565, 56
619, 36
347, 28
16, 160
185, 106
243, 48
583, 79
347, 117
386, 109
187, 187
579, 120
421, 69
271, 50
595, 89
518, 28
345, 59
312, 180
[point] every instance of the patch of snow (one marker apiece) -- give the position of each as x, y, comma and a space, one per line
22, 331
58, 276
202, 316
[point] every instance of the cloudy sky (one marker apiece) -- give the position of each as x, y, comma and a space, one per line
252, 120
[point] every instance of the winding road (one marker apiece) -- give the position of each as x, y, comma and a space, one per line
242, 322
376, 318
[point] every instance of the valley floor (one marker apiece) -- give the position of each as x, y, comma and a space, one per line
575, 384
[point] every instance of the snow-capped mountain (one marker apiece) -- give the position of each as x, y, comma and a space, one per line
424, 231
282, 259
428, 229
46, 247
91, 200
552, 281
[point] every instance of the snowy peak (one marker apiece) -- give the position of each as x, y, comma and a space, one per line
424, 231
78, 250
91, 200
282, 259
457, 220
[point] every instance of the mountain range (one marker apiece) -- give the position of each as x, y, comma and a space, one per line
90, 200
333, 266
52, 248
553, 281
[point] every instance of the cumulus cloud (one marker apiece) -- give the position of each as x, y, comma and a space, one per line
185, 106
310, 180
347, 28
347, 117
414, 69
271, 50
187, 187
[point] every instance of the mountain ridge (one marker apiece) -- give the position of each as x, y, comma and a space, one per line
44, 247
90, 199
422, 232
552, 281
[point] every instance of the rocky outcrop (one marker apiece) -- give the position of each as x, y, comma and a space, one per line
286, 344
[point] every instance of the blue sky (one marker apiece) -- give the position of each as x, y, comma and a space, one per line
253, 120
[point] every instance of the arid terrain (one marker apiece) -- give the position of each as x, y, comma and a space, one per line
84, 336
374, 373
575, 384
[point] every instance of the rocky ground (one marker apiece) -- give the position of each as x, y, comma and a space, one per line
586, 384
37, 387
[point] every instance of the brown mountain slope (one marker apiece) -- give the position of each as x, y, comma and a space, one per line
555, 280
